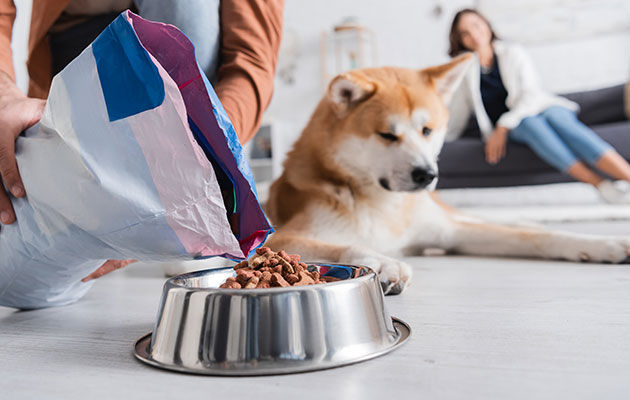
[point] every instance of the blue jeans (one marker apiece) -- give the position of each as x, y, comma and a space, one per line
559, 138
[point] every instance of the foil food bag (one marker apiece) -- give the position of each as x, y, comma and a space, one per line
134, 158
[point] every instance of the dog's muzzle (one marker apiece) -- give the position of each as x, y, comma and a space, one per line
423, 177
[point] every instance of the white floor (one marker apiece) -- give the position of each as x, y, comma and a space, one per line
482, 329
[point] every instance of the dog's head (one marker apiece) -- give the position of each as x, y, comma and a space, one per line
391, 122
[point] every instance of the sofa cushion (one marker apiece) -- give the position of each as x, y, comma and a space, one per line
617, 134
466, 156
601, 105
462, 162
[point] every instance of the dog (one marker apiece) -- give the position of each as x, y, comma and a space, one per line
357, 186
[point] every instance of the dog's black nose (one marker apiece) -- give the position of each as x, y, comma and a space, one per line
422, 177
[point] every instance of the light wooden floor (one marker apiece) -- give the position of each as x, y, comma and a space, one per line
482, 329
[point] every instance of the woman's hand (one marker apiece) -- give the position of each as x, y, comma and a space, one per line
17, 112
495, 146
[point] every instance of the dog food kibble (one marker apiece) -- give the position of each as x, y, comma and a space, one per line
270, 269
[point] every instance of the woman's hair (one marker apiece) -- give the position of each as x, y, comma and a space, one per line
455, 39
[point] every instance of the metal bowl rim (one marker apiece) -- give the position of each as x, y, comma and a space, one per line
171, 281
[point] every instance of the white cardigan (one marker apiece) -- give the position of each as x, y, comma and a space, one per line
525, 96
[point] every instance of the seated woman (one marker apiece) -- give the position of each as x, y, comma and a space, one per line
502, 90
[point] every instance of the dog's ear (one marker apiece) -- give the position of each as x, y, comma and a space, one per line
349, 89
447, 77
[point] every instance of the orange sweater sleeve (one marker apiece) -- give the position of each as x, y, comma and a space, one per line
7, 16
251, 31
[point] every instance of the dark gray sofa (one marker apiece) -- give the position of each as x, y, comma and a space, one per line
462, 162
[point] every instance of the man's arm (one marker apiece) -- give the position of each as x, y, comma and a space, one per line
7, 17
251, 31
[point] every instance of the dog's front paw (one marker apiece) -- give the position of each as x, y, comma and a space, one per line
599, 250
393, 274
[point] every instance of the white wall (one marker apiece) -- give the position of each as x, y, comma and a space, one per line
589, 63
19, 44
409, 35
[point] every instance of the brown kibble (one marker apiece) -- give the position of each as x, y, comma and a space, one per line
260, 258
263, 285
255, 262
245, 272
252, 283
286, 267
263, 250
243, 275
242, 264
231, 285
305, 279
273, 269
278, 280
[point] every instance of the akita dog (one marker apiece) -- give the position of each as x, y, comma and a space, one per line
356, 187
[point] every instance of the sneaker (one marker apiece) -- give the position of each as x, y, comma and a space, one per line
617, 192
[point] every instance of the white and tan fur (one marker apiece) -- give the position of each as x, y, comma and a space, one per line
347, 193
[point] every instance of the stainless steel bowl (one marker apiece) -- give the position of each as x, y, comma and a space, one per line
203, 329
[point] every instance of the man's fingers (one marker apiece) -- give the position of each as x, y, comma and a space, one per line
9, 169
7, 216
36, 110
109, 266
104, 269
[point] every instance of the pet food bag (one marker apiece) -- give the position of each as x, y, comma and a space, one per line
134, 158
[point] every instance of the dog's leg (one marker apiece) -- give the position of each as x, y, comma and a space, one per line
496, 240
393, 274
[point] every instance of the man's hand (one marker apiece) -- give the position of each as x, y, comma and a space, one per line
495, 146
109, 266
17, 112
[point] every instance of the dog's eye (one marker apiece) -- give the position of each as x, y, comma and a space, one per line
426, 131
388, 136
